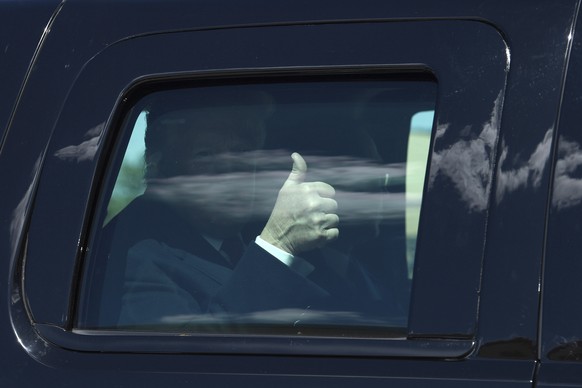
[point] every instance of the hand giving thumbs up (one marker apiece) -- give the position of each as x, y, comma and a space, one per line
304, 216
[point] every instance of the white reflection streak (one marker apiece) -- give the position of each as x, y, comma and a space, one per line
468, 162
441, 130
19, 213
567, 189
84, 151
530, 173
280, 316
231, 194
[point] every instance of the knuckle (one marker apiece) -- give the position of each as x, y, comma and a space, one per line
334, 204
311, 204
317, 218
331, 190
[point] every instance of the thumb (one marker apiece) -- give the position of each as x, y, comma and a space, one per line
299, 169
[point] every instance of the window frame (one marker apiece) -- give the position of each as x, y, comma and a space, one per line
130, 114
451, 336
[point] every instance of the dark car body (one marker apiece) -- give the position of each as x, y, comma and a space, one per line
501, 308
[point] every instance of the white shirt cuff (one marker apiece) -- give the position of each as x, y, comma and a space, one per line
284, 257
297, 264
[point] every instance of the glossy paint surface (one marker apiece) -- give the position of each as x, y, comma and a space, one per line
492, 234
561, 335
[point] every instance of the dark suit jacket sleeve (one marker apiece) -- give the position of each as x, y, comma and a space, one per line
164, 285
261, 282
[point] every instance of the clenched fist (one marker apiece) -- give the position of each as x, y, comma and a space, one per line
304, 216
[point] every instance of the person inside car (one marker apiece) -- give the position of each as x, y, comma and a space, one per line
184, 252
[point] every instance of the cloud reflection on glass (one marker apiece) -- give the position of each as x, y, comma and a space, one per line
359, 183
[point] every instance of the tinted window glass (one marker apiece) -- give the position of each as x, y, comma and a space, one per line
281, 207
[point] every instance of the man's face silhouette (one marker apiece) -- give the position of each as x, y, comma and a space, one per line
206, 168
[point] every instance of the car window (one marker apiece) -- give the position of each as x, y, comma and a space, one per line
287, 206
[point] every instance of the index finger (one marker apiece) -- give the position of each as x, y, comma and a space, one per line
323, 189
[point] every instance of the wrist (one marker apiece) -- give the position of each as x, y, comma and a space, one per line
268, 236
283, 256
